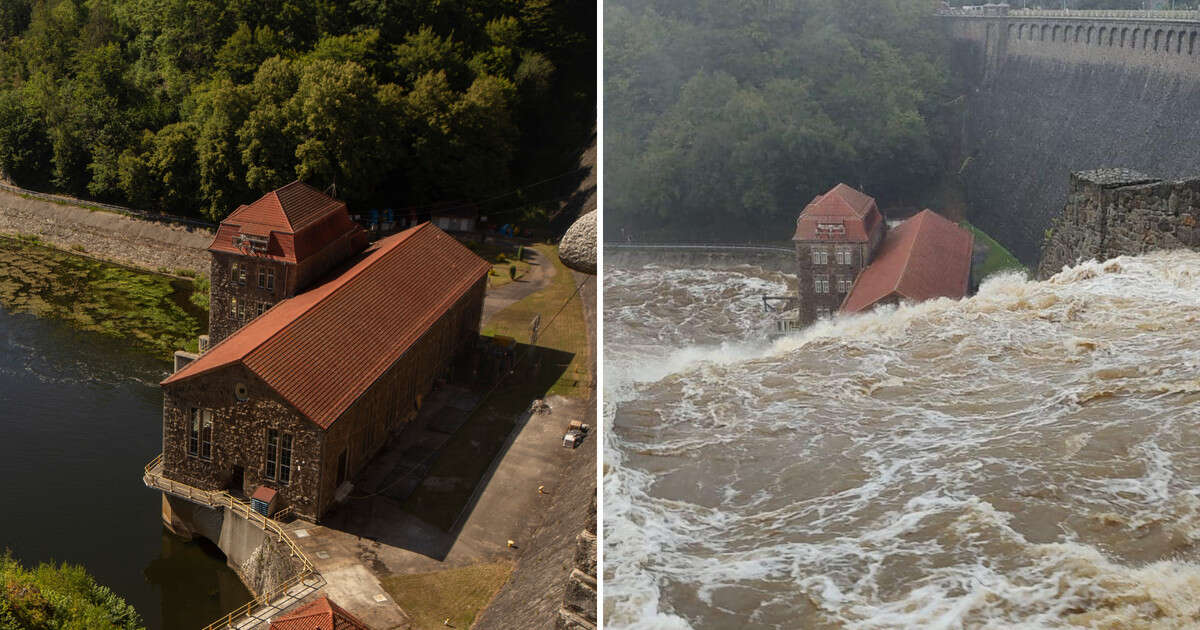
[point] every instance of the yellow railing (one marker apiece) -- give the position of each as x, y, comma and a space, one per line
221, 499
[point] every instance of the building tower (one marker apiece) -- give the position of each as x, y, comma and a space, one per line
273, 249
836, 237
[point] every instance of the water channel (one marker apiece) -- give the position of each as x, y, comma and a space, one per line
79, 418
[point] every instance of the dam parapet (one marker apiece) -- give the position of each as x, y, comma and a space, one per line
1164, 41
1116, 212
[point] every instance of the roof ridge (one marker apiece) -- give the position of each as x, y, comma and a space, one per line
908, 257
353, 273
290, 322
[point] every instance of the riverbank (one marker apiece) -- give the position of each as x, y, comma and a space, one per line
152, 311
106, 235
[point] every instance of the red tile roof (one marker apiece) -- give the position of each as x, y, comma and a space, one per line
927, 256
323, 348
321, 614
843, 206
298, 221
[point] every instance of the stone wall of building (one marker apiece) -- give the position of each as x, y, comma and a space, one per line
840, 278
224, 287
1115, 212
240, 427
239, 438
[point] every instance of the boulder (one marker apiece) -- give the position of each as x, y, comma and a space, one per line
578, 247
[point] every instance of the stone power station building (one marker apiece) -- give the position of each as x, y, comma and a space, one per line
321, 346
849, 261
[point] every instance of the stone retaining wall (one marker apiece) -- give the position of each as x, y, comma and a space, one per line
1114, 212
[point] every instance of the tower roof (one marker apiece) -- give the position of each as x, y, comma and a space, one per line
288, 224
843, 215
927, 256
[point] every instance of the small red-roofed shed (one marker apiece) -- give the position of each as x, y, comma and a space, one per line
321, 614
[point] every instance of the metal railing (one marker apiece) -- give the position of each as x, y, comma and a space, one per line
154, 478
701, 246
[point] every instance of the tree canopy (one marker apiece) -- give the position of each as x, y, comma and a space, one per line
195, 106
722, 120
54, 597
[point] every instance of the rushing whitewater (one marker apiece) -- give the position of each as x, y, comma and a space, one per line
1028, 457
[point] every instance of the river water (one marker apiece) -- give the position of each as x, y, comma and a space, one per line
1028, 457
80, 415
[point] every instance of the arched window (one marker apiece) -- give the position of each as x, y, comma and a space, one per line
1124, 36
1100, 40
1045, 31
1192, 43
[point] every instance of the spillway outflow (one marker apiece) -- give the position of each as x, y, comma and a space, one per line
1026, 457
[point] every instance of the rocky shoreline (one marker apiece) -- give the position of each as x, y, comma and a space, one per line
109, 236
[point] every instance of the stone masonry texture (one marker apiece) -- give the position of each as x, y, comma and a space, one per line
1114, 212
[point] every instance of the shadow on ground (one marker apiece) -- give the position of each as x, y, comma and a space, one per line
419, 490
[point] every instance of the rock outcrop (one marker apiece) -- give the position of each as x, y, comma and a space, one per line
577, 249
1114, 212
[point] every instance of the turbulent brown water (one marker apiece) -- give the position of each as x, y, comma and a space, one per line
1028, 457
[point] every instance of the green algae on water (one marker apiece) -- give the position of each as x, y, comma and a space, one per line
152, 311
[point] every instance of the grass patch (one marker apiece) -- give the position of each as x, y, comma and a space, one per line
568, 333
502, 256
152, 312
998, 258
460, 594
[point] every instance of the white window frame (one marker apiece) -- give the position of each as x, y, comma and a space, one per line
821, 284
820, 256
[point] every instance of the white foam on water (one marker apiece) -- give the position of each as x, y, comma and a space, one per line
1025, 458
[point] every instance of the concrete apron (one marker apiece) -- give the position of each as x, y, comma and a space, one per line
260, 562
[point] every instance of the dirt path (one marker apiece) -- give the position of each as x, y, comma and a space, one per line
541, 272
107, 235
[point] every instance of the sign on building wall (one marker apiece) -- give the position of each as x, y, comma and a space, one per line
831, 229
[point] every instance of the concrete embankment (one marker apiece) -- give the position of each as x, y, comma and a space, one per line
261, 562
152, 245
773, 256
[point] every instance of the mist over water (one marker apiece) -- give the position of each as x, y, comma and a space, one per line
1028, 457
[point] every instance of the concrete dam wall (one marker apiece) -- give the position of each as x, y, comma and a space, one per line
1051, 93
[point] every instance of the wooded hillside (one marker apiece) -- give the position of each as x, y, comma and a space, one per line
195, 106
722, 120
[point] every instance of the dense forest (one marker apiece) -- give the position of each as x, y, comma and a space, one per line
722, 120
196, 106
